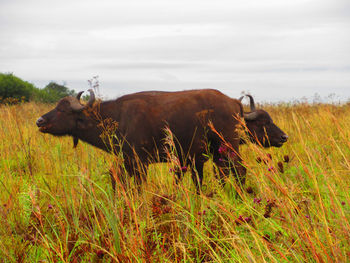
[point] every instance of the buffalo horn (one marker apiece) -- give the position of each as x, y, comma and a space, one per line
252, 104
251, 101
250, 116
92, 98
77, 106
79, 95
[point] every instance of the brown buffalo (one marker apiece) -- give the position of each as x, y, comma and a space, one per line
196, 118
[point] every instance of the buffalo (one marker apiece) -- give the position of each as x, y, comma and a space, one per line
199, 120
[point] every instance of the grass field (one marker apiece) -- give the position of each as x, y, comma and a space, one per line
57, 204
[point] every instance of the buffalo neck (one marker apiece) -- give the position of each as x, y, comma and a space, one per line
96, 128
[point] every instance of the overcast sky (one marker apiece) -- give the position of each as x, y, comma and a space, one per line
274, 49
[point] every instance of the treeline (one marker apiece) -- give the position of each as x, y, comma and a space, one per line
15, 90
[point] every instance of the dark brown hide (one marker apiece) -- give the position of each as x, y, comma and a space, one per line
141, 119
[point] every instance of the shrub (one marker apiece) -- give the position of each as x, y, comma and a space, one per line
53, 92
14, 89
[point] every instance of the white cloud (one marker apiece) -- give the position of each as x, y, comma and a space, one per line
262, 46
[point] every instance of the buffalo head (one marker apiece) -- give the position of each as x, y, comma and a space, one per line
261, 127
65, 117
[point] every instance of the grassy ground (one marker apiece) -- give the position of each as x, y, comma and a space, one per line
56, 202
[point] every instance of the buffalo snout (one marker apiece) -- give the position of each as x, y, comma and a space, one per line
40, 122
284, 138
43, 125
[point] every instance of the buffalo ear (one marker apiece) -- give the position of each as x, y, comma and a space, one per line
75, 141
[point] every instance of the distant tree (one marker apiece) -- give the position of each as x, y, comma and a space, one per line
14, 89
53, 92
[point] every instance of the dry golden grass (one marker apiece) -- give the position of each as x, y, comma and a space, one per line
57, 205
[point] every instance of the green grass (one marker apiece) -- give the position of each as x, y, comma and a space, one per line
57, 205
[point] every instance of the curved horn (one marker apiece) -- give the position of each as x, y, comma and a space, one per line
79, 95
251, 100
75, 102
92, 98
252, 104
250, 116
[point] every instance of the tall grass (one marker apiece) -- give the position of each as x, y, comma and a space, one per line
57, 203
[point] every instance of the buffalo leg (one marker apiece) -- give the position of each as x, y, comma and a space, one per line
140, 177
111, 174
178, 176
179, 173
197, 174
116, 173
137, 169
